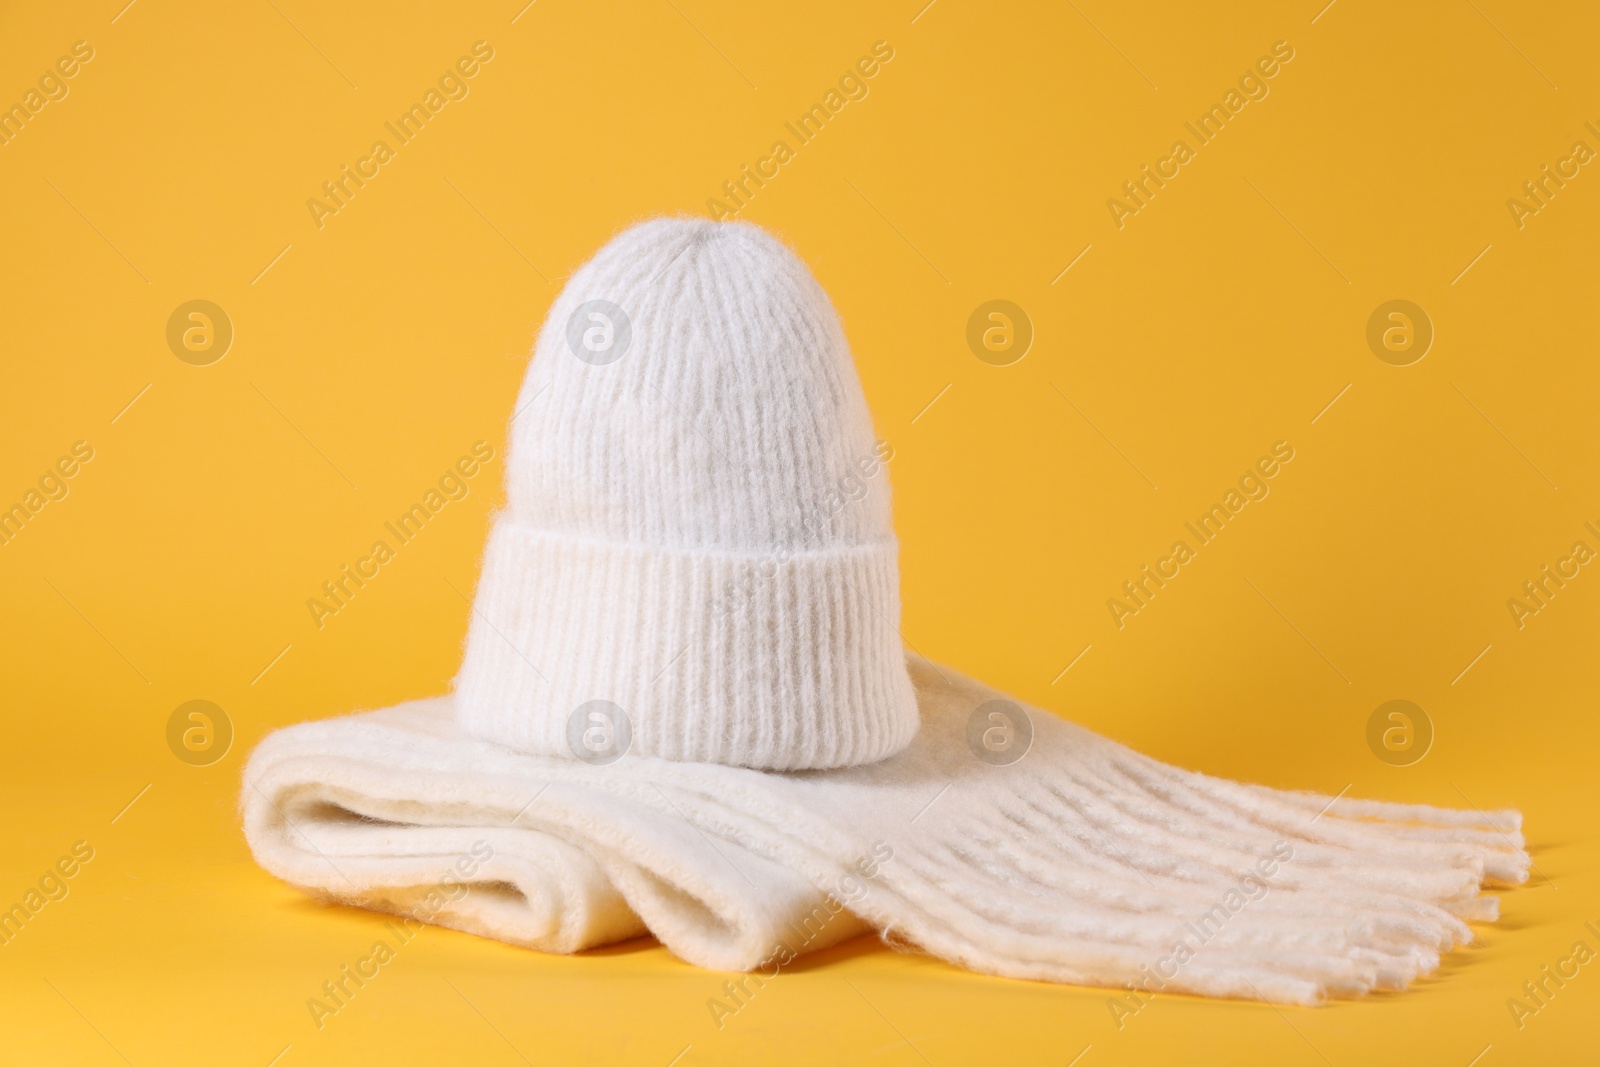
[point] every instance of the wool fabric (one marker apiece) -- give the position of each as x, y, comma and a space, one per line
684, 710
698, 532
1081, 861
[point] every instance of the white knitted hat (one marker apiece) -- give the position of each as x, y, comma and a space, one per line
697, 561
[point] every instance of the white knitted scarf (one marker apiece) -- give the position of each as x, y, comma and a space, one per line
788, 778
1082, 862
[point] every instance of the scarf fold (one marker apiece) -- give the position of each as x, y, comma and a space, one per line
1082, 861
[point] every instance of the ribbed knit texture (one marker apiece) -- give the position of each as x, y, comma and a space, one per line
698, 527
1082, 862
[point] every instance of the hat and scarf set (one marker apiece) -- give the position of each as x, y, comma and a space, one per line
685, 710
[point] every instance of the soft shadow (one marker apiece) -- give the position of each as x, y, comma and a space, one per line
631, 947
864, 944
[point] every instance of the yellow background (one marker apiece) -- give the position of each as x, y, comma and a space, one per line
1225, 316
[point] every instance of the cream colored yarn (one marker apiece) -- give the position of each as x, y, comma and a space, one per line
684, 709
1082, 861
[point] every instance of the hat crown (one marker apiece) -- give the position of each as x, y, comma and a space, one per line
692, 388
